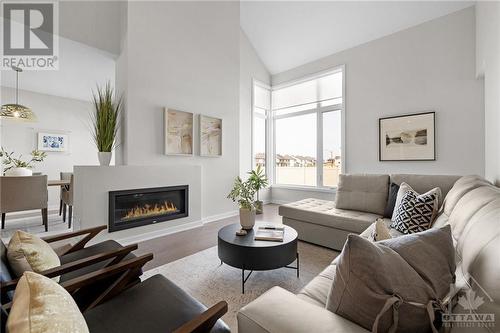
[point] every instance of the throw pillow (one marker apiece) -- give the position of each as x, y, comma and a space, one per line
394, 285
391, 202
415, 212
27, 252
380, 231
42, 305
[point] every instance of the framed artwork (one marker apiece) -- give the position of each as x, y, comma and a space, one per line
52, 142
210, 136
408, 137
178, 132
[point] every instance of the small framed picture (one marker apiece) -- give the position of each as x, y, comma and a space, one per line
408, 137
52, 142
210, 136
178, 132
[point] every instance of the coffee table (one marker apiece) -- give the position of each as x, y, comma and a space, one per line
247, 254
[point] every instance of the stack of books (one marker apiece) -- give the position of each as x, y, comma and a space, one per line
270, 233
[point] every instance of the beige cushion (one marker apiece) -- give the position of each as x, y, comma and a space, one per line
418, 268
424, 183
27, 252
365, 193
323, 212
367, 234
318, 289
41, 305
381, 231
459, 189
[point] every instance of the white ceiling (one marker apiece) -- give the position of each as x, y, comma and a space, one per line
287, 34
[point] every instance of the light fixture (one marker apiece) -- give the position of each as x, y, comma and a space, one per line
17, 111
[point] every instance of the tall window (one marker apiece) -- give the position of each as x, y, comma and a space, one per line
261, 109
307, 119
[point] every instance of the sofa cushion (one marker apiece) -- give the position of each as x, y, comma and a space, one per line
362, 192
27, 252
42, 305
424, 183
318, 289
371, 229
371, 283
154, 305
324, 213
460, 188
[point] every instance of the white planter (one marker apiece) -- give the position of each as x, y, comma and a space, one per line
18, 172
247, 218
104, 157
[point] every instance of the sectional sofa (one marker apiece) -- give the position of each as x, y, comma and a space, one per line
471, 206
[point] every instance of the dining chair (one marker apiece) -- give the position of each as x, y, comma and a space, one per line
24, 193
66, 197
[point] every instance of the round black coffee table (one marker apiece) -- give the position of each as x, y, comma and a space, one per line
245, 253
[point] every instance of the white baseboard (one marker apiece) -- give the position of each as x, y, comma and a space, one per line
219, 217
172, 230
279, 202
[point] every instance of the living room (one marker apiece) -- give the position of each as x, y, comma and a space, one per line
231, 166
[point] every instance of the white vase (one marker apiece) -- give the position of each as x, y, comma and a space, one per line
247, 218
18, 172
104, 157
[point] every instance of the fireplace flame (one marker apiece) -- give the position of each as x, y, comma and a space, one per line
149, 210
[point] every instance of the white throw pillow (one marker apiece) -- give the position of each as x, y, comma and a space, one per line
404, 187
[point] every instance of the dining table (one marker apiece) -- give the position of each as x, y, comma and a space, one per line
59, 182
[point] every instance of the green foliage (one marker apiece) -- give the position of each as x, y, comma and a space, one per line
11, 162
243, 193
105, 118
258, 179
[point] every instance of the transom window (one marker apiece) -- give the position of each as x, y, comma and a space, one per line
302, 130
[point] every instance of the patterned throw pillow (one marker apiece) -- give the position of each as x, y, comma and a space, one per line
415, 213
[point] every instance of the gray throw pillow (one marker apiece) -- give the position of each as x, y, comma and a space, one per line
396, 284
363, 192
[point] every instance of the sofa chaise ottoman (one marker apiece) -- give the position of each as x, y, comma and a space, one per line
364, 198
472, 209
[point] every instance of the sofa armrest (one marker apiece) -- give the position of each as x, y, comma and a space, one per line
278, 310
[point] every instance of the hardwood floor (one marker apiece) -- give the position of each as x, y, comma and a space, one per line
175, 246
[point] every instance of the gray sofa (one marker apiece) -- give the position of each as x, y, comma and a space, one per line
321, 222
471, 207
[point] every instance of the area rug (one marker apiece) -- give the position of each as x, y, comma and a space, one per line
202, 276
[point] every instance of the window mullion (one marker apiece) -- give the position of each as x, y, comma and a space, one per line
319, 148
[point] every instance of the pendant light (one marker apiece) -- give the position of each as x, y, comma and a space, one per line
17, 111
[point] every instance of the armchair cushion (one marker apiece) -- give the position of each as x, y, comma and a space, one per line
42, 305
27, 252
154, 305
86, 252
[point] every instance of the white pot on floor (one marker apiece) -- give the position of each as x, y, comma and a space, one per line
104, 157
19, 172
247, 218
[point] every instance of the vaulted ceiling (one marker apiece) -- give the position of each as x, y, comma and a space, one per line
287, 34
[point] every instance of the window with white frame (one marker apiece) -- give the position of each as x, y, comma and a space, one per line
307, 130
261, 109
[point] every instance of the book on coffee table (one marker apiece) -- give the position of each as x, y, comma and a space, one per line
273, 235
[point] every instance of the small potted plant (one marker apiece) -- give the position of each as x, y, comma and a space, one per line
243, 193
259, 181
18, 166
105, 122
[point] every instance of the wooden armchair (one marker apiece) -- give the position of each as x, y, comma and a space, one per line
24, 193
154, 305
76, 260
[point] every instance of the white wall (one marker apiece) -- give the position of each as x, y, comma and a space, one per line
183, 55
488, 68
427, 67
55, 114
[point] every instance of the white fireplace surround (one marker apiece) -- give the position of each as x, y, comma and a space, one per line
92, 184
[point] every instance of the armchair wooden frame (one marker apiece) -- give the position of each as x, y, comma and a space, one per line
90, 233
123, 273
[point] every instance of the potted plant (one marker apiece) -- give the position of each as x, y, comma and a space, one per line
18, 166
243, 193
259, 181
105, 122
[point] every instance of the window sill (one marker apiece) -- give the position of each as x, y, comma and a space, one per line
305, 188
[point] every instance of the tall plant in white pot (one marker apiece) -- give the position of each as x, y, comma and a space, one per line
105, 122
243, 193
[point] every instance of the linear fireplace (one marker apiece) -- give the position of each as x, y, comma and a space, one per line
134, 208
